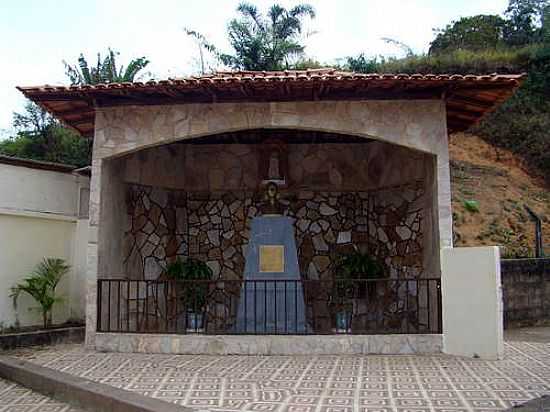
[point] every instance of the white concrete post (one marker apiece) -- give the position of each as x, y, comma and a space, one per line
472, 302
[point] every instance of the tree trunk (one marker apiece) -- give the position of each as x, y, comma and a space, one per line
45, 319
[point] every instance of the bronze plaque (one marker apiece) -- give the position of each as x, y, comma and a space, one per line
272, 258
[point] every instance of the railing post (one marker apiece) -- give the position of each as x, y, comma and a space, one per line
439, 307
98, 303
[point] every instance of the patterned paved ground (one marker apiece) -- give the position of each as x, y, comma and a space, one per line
15, 398
317, 383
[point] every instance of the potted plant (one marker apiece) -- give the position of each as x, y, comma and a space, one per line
191, 275
349, 270
41, 285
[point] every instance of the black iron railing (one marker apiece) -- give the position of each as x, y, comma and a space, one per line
293, 307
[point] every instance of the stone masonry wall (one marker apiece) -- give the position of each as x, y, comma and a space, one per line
156, 230
214, 227
526, 291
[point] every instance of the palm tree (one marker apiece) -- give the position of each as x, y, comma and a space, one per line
105, 70
41, 284
261, 42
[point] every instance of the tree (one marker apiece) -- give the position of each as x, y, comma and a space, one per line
266, 43
41, 284
105, 70
361, 64
526, 21
405, 48
474, 33
203, 46
41, 137
260, 42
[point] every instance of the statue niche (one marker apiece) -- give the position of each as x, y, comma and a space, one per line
274, 163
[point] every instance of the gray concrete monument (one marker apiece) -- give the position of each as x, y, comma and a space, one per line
272, 298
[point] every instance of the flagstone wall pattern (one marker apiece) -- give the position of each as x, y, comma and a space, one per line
214, 228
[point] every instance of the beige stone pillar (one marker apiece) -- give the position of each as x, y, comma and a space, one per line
106, 229
445, 214
92, 260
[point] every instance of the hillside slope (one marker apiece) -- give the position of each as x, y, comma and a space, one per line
501, 185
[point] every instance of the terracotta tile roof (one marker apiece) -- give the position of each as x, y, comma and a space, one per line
468, 97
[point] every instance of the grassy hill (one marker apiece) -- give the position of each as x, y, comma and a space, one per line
500, 183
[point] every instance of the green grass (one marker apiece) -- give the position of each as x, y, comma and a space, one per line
509, 60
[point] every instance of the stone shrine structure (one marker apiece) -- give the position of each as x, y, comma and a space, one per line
361, 162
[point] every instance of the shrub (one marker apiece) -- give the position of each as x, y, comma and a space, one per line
471, 205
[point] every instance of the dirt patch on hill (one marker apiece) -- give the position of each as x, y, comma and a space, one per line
490, 189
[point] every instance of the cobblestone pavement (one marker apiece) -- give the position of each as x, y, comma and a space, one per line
16, 398
317, 383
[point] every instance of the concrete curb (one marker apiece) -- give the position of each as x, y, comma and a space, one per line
83, 393
541, 404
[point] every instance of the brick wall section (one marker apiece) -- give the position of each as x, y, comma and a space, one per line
526, 291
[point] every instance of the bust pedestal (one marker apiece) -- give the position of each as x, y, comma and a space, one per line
273, 299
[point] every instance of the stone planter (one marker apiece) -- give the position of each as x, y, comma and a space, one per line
74, 334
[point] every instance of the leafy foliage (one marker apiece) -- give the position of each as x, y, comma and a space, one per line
105, 71
362, 64
527, 21
270, 42
41, 137
41, 285
266, 43
193, 294
358, 265
348, 269
479, 32
487, 44
471, 205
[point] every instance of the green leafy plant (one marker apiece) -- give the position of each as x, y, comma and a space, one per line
349, 270
41, 285
193, 294
105, 71
351, 267
471, 205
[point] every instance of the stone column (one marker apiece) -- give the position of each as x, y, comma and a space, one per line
107, 221
92, 260
445, 214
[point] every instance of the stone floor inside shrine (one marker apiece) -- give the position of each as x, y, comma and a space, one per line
305, 383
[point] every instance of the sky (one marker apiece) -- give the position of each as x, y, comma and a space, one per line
37, 35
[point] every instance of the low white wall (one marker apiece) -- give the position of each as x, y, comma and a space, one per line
39, 218
472, 302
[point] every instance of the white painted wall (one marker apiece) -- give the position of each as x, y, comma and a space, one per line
39, 218
38, 191
472, 302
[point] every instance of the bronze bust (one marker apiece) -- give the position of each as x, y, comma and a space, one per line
271, 204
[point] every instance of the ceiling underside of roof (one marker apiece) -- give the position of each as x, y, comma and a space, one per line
467, 98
